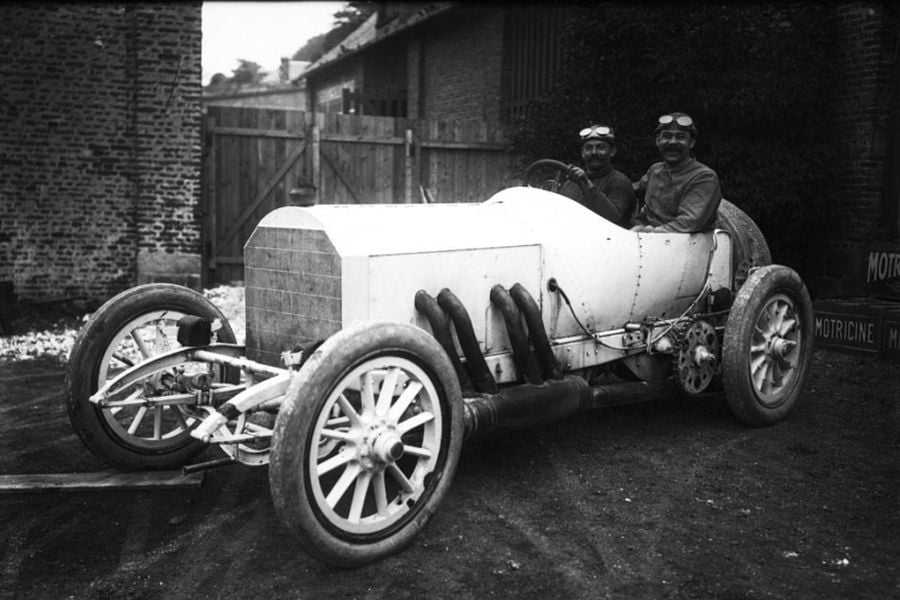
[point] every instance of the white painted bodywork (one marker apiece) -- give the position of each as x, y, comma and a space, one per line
612, 276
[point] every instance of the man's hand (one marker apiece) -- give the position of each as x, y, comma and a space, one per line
576, 173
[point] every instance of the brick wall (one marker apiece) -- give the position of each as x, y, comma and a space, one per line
461, 71
865, 47
99, 147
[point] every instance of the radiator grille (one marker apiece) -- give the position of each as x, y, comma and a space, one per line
292, 280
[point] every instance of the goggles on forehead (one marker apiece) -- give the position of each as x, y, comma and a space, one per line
681, 120
596, 131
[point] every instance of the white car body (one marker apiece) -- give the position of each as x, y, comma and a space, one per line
339, 265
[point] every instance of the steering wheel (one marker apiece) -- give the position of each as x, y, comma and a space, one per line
549, 174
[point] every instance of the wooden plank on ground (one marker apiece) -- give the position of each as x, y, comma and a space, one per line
98, 481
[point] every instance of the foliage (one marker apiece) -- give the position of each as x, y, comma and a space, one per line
248, 72
754, 77
346, 20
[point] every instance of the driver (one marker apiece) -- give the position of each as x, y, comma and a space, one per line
609, 191
679, 193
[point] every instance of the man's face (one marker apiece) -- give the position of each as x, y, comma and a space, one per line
596, 154
675, 145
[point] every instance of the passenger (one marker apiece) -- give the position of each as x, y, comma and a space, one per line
610, 194
680, 194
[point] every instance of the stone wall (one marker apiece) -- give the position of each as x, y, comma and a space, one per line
99, 147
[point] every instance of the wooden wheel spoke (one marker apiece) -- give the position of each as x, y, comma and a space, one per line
349, 411
359, 497
337, 434
769, 383
337, 421
401, 479
787, 326
757, 361
416, 451
405, 399
367, 394
136, 421
759, 376
139, 341
123, 359
181, 421
341, 458
413, 422
157, 421
380, 491
343, 484
388, 387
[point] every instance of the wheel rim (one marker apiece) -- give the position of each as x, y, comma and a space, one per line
160, 427
775, 349
377, 439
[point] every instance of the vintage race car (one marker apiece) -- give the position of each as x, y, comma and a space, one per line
380, 337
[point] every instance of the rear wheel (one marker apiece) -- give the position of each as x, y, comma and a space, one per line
138, 324
749, 247
366, 442
767, 346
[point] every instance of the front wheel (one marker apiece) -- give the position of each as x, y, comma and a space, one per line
142, 430
366, 442
767, 346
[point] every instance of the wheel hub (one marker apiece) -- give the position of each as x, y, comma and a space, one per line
388, 447
696, 359
778, 347
379, 448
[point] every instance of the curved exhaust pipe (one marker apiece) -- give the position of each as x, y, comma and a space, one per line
440, 328
539, 339
478, 369
522, 354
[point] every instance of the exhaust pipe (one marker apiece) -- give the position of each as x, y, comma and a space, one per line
529, 308
440, 328
528, 405
525, 361
478, 369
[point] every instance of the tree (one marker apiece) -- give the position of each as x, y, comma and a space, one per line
247, 73
346, 20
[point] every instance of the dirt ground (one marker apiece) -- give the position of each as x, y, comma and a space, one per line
656, 501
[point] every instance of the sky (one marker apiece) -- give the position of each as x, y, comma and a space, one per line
261, 32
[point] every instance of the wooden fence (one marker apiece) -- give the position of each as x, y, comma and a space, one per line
256, 160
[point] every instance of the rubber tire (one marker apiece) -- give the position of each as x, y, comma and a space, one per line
740, 392
749, 246
84, 365
294, 427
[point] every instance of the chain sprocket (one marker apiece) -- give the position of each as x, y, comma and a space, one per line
697, 356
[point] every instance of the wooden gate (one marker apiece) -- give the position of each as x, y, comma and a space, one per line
256, 160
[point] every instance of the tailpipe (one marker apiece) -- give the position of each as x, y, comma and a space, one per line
528, 405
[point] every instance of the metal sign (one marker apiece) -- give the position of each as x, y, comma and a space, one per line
882, 271
891, 335
851, 326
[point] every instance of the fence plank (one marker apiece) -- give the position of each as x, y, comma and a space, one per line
298, 151
257, 154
